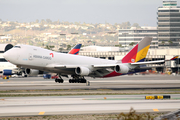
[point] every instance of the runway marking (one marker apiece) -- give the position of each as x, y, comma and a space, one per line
41, 113
105, 98
156, 110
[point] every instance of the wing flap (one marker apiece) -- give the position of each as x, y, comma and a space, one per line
95, 66
104, 66
66, 66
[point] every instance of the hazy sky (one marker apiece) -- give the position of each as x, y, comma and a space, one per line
143, 12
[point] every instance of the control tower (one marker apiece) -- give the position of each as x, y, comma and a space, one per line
169, 24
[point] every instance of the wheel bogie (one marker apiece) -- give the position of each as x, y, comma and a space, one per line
77, 80
59, 80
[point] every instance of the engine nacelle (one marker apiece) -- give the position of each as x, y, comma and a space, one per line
82, 71
33, 72
7, 72
121, 68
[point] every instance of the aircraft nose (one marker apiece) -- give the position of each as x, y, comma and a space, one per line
5, 55
9, 55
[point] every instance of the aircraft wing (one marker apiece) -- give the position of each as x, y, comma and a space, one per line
103, 66
148, 62
75, 66
99, 70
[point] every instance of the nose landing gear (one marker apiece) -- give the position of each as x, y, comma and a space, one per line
59, 80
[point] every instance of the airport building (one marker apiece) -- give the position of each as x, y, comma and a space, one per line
130, 37
153, 54
169, 24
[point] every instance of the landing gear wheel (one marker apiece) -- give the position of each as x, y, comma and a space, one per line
77, 79
61, 80
84, 81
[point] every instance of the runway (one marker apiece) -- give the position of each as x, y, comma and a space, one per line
115, 83
88, 104
21, 106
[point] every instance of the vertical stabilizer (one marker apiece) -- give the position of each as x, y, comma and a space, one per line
75, 49
139, 52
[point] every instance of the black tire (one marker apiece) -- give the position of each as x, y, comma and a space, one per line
70, 81
77, 81
84, 81
59, 80
73, 81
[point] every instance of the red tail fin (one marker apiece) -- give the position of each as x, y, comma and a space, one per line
139, 52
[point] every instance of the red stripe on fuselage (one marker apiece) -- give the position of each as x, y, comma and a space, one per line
112, 74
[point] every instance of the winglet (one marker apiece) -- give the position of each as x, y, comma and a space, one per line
139, 52
75, 49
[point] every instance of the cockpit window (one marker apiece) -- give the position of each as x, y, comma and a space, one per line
17, 46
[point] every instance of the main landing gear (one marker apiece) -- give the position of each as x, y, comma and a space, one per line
77, 79
59, 80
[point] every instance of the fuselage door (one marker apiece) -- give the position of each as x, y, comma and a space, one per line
30, 56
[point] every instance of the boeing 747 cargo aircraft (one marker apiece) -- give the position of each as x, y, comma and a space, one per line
78, 67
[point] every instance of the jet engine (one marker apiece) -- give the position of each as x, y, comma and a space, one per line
82, 71
121, 68
7, 72
33, 72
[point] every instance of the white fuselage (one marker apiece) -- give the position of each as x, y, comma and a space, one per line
42, 59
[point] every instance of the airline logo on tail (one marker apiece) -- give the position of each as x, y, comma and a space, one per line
75, 50
139, 52
175, 57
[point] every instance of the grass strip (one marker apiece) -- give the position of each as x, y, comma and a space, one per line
62, 92
74, 94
